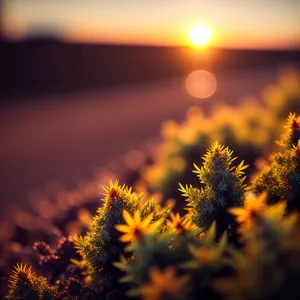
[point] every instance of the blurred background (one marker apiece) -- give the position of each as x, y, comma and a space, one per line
86, 85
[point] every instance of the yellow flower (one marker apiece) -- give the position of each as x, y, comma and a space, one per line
180, 225
253, 206
163, 283
136, 229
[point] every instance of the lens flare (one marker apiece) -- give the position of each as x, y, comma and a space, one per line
201, 84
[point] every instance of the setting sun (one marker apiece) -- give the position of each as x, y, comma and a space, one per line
200, 35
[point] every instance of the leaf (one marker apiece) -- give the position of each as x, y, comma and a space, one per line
238, 256
126, 279
131, 247
184, 190
241, 167
120, 265
223, 241
133, 293
79, 243
192, 264
210, 233
236, 211
193, 249
75, 262
276, 211
290, 221
197, 169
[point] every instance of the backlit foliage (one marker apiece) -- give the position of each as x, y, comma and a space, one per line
26, 285
284, 97
164, 284
231, 243
195, 259
102, 246
268, 267
249, 128
222, 187
282, 178
21, 275
121, 211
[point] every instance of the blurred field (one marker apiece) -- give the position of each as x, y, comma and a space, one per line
54, 140
47, 67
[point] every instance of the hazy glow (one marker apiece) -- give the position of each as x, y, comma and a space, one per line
201, 84
200, 35
234, 23
134, 159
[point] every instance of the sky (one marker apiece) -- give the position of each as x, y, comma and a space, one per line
272, 24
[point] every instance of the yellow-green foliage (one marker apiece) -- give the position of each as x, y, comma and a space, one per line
268, 267
101, 246
282, 178
26, 285
136, 249
284, 97
222, 188
249, 128
190, 255
180, 266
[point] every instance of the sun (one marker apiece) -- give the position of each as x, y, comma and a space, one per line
199, 35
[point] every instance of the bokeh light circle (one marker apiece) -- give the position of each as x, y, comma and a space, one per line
201, 84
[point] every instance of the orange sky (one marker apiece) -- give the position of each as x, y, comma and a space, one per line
234, 23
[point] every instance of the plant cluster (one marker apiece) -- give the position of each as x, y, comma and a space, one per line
281, 179
222, 187
25, 284
55, 261
233, 242
249, 129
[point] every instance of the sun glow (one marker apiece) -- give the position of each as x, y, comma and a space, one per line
199, 35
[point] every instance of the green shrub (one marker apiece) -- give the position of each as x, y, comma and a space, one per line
281, 179
230, 243
249, 129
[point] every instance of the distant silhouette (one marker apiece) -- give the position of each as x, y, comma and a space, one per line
47, 66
